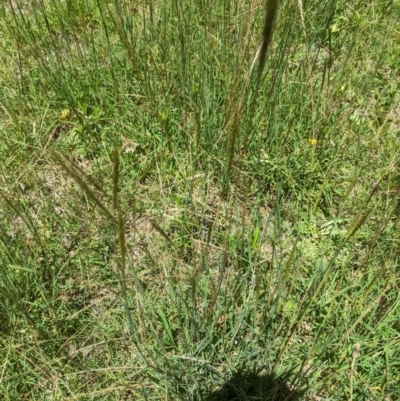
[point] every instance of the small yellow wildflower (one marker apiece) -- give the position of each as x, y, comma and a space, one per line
313, 141
65, 113
335, 28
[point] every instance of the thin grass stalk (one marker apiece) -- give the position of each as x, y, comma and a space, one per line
238, 103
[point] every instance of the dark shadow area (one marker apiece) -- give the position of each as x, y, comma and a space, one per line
249, 386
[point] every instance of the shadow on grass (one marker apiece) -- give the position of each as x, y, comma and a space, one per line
247, 386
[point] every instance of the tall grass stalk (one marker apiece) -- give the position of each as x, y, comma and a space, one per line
186, 216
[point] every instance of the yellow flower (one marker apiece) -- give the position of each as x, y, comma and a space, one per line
313, 142
335, 28
64, 114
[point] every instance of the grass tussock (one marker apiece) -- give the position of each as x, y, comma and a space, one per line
199, 200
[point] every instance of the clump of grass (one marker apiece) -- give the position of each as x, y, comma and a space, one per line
176, 224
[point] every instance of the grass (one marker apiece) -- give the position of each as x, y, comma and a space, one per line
175, 226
